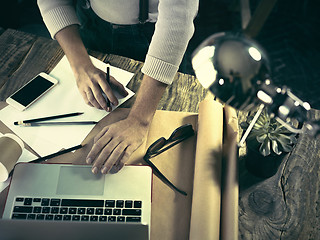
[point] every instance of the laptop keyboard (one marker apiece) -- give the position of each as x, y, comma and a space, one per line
77, 210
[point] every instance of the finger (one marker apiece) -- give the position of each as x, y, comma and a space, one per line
84, 96
97, 148
119, 164
106, 88
124, 157
97, 92
127, 154
118, 87
100, 134
104, 157
117, 167
114, 158
92, 100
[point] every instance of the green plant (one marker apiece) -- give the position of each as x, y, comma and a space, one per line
268, 136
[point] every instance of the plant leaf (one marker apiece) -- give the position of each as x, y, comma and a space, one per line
275, 147
268, 135
261, 138
285, 142
265, 148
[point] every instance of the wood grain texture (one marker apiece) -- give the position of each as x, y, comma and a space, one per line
184, 94
22, 56
285, 206
13, 48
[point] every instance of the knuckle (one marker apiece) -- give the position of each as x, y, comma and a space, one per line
106, 152
125, 156
91, 98
96, 139
101, 101
98, 75
87, 101
120, 139
99, 145
117, 152
127, 153
112, 133
101, 160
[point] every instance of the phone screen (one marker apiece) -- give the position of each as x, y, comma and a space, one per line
32, 90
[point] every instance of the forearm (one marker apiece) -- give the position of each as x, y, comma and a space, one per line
72, 45
148, 97
90, 80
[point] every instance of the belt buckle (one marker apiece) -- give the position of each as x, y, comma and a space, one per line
115, 26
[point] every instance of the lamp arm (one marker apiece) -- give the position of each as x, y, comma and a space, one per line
284, 105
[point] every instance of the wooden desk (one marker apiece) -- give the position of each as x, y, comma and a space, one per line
285, 206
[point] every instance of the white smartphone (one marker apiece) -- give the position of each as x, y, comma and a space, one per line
31, 91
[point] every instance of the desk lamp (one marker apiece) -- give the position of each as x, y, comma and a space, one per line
237, 71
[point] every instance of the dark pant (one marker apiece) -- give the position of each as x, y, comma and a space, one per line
125, 40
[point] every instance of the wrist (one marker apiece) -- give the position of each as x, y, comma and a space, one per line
72, 45
79, 61
147, 100
140, 119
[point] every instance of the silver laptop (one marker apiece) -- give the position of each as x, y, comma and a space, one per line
39, 230
73, 194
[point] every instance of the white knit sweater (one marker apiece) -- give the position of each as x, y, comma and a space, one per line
174, 27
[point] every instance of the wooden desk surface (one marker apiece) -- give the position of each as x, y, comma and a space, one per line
285, 206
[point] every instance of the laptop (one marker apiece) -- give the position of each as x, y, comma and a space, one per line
65, 193
53, 230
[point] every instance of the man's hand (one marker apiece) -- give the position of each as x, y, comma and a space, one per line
92, 83
115, 143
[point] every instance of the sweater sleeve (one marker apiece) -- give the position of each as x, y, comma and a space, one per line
57, 14
173, 30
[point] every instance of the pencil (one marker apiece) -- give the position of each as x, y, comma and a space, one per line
47, 118
35, 124
41, 159
108, 81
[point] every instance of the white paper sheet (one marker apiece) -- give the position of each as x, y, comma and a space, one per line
26, 156
63, 98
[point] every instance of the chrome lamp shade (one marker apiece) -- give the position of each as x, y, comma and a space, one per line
236, 70
233, 67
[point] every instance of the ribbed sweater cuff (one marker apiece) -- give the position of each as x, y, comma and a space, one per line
159, 70
59, 18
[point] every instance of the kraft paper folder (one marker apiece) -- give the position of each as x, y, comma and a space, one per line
210, 211
214, 207
195, 166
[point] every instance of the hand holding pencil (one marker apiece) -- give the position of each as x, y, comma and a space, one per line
109, 108
92, 84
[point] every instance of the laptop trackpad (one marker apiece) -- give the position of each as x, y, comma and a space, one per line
75, 180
